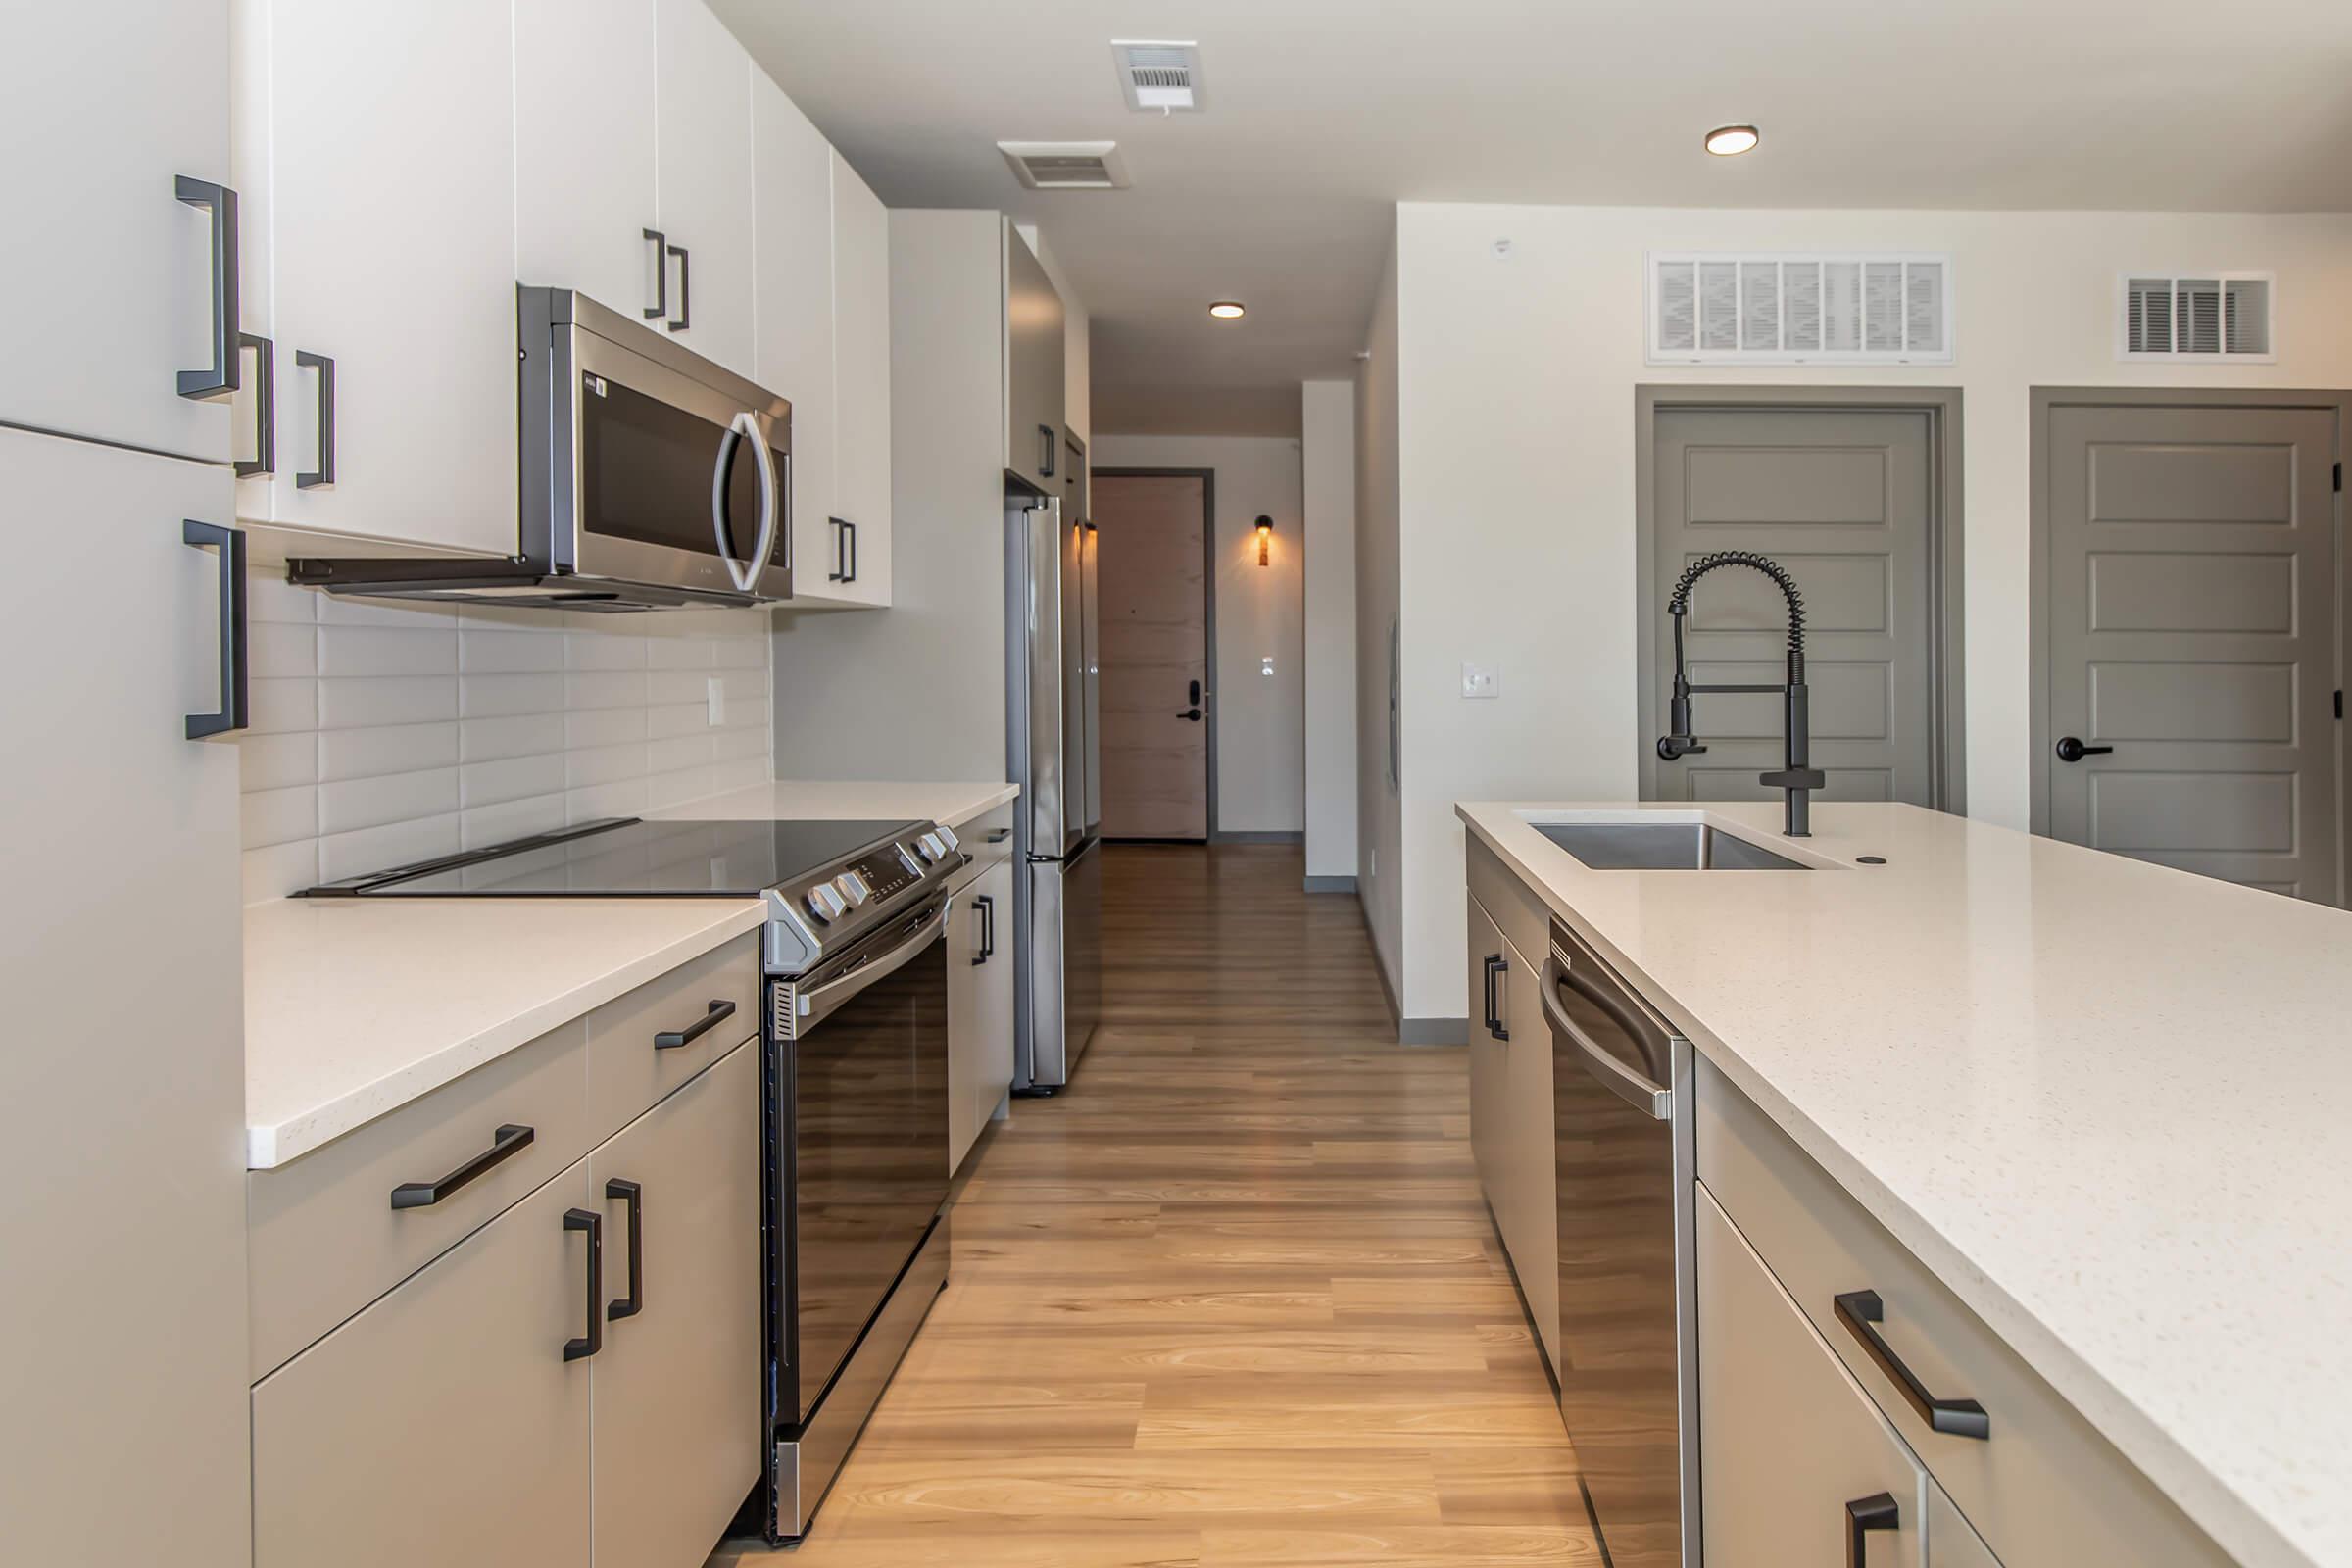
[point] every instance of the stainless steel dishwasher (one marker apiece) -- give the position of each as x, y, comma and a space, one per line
1624, 1161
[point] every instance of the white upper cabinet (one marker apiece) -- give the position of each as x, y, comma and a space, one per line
110, 276
792, 169
703, 179
584, 139
391, 220
861, 383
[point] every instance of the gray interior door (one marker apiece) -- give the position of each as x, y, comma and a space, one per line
2191, 616
1843, 500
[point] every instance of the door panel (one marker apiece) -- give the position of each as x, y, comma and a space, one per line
675, 1390
1154, 654
1488, 1063
704, 94
2191, 616
584, 148
1529, 1167
1843, 500
862, 377
791, 170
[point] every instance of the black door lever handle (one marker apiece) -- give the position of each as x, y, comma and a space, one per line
1193, 713
2072, 750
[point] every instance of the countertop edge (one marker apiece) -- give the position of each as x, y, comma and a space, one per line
2236, 1524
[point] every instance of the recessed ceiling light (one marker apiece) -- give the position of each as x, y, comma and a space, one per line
1729, 141
1228, 309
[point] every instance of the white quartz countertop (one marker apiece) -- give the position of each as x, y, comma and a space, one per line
2108, 1104
356, 1007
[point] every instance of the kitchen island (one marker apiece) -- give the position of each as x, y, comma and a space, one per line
2101, 1103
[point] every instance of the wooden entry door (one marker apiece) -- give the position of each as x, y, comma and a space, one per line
1151, 566
2190, 583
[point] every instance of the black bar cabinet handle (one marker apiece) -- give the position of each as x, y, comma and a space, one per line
230, 542
1496, 964
321, 477
633, 1195
685, 288
851, 528
671, 1038
841, 550
587, 1344
986, 907
507, 1142
1862, 1516
1859, 1310
220, 379
1047, 443
660, 244
264, 406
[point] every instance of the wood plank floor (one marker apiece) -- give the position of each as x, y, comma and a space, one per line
1232, 1299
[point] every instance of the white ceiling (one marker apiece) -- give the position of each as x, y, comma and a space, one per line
1323, 112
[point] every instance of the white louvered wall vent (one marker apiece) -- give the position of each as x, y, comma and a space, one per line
1162, 74
2211, 316
1068, 164
1855, 309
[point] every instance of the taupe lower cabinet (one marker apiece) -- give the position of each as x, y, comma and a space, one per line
1511, 1115
529, 1396
980, 1007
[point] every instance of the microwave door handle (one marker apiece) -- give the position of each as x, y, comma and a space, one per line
818, 1002
745, 573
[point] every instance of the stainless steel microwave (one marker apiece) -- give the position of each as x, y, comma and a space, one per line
651, 477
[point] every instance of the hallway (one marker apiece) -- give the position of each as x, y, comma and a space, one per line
1234, 1300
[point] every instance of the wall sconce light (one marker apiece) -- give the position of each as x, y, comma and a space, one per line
1265, 536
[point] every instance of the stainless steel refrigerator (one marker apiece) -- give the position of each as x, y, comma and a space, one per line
1052, 663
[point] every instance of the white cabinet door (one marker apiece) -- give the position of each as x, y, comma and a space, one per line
251, 443
791, 171
1489, 1062
1791, 1448
107, 274
1529, 1164
704, 95
584, 130
862, 381
443, 1425
676, 1386
123, 1085
1034, 367
392, 218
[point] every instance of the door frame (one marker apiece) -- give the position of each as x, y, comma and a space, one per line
2046, 400
1208, 605
1947, 717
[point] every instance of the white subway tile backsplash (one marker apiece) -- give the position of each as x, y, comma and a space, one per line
386, 732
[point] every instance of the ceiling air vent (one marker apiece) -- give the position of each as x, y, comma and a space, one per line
1858, 308
1068, 164
2216, 315
1159, 72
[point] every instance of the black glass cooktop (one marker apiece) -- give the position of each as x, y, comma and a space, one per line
627, 858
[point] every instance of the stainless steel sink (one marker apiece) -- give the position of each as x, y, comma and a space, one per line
1662, 847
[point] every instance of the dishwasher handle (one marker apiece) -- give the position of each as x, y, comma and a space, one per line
1653, 1100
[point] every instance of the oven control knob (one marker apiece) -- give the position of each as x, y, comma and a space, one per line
825, 903
931, 850
852, 888
945, 836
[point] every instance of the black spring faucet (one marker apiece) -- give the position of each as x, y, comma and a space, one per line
1796, 778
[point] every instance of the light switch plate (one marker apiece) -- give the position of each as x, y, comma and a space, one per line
1479, 681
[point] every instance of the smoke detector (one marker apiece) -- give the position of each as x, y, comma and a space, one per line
1068, 164
1160, 74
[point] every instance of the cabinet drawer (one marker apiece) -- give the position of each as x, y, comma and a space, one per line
1518, 913
1792, 1450
988, 837
322, 1236
2044, 1488
443, 1425
628, 1071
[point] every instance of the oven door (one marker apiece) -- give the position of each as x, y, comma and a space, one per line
863, 1160
681, 470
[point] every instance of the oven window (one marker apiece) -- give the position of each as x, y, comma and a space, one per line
644, 472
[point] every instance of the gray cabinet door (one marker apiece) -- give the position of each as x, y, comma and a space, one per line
1842, 498
2190, 610
123, 1078
1033, 368
1490, 1061
442, 1424
676, 1386
1788, 1441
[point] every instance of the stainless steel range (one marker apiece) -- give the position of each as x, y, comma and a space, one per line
854, 1080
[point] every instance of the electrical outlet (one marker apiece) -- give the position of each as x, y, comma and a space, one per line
717, 687
1479, 681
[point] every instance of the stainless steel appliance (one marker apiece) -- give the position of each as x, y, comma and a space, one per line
1624, 1161
1050, 752
651, 477
855, 1082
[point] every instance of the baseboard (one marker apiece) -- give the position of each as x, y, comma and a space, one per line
1433, 1031
1331, 884
1247, 836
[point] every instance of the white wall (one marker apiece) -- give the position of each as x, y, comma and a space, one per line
1327, 463
387, 733
1380, 831
1517, 377
1261, 732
